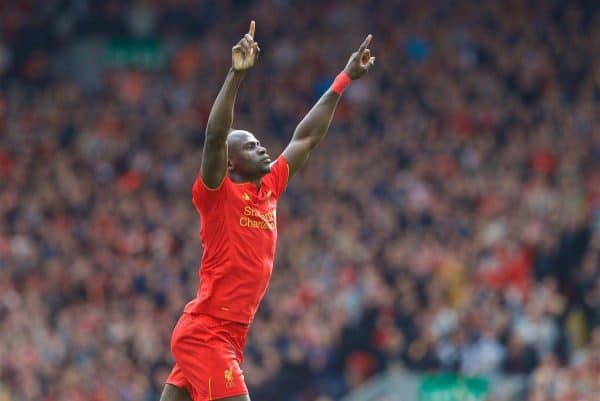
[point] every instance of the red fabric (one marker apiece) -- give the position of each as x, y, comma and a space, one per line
518, 270
514, 270
363, 363
544, 161
130, 181
341, 82
6, 163
208, 353
238, 231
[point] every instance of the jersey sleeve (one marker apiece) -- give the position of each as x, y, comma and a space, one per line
279, 175
205, 198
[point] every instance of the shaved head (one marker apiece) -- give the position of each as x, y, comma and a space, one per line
246, 156
237, 137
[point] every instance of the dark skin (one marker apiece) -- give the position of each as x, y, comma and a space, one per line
240, 155
226, 151
174, 393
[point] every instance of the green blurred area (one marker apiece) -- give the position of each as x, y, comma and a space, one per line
452, 387
123, 52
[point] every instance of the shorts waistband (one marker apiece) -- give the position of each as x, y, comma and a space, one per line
220, 320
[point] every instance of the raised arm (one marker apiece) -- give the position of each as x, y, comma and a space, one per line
315, 124
214, 153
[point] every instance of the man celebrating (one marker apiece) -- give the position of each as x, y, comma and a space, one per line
236, 195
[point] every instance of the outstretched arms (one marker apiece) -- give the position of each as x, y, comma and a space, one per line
315, 124
214, 153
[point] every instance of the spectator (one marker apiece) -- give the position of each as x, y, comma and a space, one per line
460, 231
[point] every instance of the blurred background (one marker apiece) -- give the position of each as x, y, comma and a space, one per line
443, 242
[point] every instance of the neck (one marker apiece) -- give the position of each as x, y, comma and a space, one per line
237, 178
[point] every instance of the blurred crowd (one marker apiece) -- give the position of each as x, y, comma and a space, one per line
450, 221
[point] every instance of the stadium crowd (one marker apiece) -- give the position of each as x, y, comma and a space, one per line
450, 221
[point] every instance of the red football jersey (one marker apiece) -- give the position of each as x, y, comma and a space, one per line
238, 230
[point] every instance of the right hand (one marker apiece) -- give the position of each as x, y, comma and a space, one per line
245, 53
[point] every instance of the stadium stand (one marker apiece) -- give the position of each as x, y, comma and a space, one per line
450, 221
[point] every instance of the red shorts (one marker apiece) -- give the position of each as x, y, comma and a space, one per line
208, 353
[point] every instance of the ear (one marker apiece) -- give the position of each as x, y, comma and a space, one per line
229, 165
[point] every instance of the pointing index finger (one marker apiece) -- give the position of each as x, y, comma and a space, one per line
251, 30
366, 43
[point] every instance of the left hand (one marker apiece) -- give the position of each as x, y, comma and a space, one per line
361, 61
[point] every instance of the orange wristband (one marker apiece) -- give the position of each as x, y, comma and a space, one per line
341, 82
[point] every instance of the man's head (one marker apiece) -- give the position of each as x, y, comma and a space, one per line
246, 156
